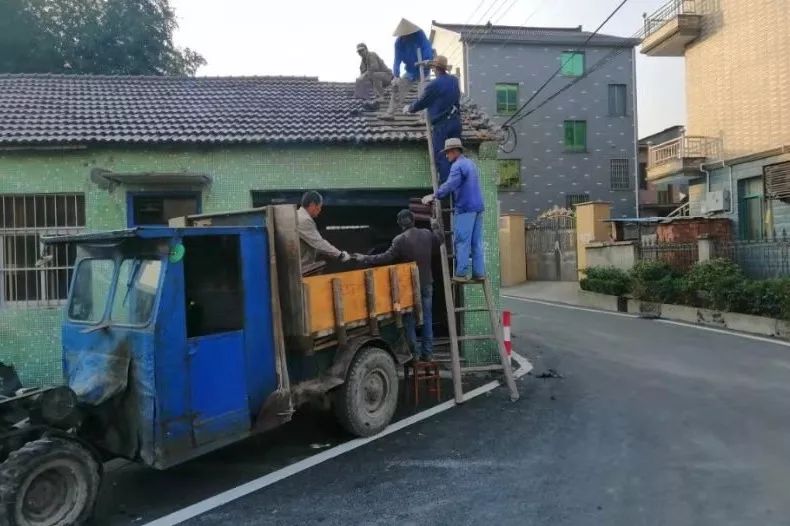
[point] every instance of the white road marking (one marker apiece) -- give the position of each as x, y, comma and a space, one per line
571, 307
659, 320
728, 332
252, 486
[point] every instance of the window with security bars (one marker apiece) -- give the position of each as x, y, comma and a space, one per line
28, 277
618, 174
572, 200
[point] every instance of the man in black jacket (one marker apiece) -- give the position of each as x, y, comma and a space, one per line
414, 244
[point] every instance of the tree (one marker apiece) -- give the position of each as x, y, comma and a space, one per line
117, 37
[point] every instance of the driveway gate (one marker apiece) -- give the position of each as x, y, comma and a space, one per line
551, 249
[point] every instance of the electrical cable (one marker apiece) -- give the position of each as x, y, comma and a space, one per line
515, 115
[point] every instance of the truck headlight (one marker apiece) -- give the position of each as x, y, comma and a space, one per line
58, 405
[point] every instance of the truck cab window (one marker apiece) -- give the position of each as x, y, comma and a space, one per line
135, 291
91, 290
213, 293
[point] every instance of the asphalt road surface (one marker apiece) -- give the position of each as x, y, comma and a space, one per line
649, 424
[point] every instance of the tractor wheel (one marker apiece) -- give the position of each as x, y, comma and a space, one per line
365, 403
48, 482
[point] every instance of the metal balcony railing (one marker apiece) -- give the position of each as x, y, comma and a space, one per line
667, 12
687, 146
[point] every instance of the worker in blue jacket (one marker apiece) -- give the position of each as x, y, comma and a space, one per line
408, 39
442, 99
464, 185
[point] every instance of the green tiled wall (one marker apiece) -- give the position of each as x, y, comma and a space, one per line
30, 337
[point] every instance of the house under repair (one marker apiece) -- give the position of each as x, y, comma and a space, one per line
82, 153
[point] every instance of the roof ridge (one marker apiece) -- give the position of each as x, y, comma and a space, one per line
158, 77
575, 29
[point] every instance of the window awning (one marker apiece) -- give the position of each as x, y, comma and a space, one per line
109, 180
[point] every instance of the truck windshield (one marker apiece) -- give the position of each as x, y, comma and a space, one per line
92, 286
135, 291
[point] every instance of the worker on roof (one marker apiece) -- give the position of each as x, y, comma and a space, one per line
442, 98
310, 240
373, 70
408, 40
468, 207
414, 244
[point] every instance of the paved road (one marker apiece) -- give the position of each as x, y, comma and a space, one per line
651, 424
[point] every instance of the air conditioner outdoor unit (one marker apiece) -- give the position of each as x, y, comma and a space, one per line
716, 202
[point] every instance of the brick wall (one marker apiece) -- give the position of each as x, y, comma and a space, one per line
30, 337
738, 73
690, 230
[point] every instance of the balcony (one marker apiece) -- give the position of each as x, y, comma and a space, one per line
682, 156
669, 30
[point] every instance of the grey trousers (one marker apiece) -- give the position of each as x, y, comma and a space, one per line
378, 79
400, 87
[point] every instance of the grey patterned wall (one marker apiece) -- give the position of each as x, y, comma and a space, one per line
548, 172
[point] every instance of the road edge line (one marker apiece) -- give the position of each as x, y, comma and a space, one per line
227, 496
571, 307
727, 332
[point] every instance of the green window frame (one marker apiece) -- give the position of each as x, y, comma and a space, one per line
506, 98
509, 175
575, 136
572, 63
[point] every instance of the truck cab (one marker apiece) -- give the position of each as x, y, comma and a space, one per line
180, 340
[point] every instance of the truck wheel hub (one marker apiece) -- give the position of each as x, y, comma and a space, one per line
376, 388
47, 495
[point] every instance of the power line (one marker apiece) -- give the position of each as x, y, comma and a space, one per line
515, 115
481, 27
598, 65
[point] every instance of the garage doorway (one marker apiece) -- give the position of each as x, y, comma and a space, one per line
363, 221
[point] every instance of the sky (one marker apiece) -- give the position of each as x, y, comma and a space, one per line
318, 38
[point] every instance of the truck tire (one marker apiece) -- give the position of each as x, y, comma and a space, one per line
48, 482
365, 403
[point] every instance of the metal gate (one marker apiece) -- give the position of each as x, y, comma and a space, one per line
551, 249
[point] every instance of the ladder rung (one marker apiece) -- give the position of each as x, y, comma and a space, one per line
463, 281
477, 337
473, 309
482, 368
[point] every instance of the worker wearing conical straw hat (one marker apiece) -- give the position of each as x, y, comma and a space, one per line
408, 39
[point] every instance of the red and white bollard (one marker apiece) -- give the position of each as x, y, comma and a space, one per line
506, 332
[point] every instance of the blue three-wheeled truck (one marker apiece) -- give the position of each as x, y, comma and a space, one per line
183, 339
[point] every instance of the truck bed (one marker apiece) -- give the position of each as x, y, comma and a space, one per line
363, 295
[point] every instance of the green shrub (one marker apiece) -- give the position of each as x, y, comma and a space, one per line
716, 284
656, 281
606, 280
770, 297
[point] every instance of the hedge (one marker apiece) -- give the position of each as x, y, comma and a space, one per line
718, 284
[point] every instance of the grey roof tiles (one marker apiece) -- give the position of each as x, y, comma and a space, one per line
45, 109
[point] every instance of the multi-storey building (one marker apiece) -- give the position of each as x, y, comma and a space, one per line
579, 141
735, 153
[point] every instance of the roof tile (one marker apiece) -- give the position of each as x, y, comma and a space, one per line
67, 109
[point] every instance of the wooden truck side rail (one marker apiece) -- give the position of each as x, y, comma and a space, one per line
338, 302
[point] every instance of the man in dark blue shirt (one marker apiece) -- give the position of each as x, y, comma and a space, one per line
414, 244
442, 99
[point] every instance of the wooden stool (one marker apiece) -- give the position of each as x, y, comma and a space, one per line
422, 372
